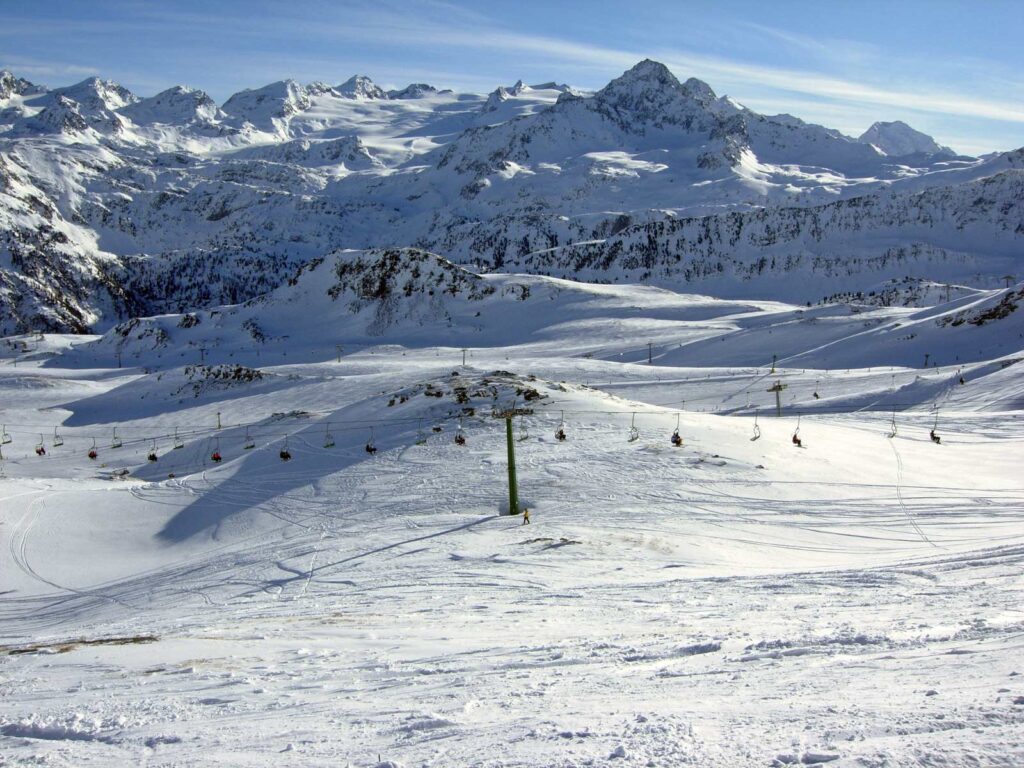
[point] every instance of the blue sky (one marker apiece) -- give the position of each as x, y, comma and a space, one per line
952, 69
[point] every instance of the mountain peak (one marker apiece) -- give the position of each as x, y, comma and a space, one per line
11, 85
94, 93
361, 87
495, 98
896, 138
648, 70
412, 91
262, 105
648, 83
178, 104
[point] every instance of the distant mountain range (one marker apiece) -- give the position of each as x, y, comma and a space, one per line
114, 206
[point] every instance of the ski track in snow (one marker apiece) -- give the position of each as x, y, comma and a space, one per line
731, 602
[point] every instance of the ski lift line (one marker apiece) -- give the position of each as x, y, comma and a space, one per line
260, 429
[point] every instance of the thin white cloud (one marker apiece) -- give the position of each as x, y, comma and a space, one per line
29, 68
722, 73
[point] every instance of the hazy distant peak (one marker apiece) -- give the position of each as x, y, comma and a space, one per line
261, 106
178, 104
361, 87
412, 91
897, 138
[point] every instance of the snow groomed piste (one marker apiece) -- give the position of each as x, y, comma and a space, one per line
730, 600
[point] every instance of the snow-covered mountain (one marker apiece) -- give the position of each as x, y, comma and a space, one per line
171, 203
899, 139
361, 87
175, 106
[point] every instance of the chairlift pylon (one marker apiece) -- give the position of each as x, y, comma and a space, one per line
634, 433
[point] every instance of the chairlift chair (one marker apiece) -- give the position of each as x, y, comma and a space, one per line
796, 435
370, 447
524, 433
285, 454
757, 429
328, 437
115, 441
460, 435
421, 436
932, 434
560, 431
892, 427
676, 438
152, 452
215, 457
92, 451
4, 437
634, 433
177, 441
58, 441
249, 443
40, 448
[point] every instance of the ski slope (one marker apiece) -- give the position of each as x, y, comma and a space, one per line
735, 601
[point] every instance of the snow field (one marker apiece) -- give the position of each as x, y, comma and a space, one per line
732, 602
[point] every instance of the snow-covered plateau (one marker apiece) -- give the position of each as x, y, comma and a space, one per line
767, 411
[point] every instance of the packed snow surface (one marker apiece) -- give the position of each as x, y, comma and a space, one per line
854, 601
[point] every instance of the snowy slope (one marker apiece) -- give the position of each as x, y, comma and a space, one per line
733, 602
408, 299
